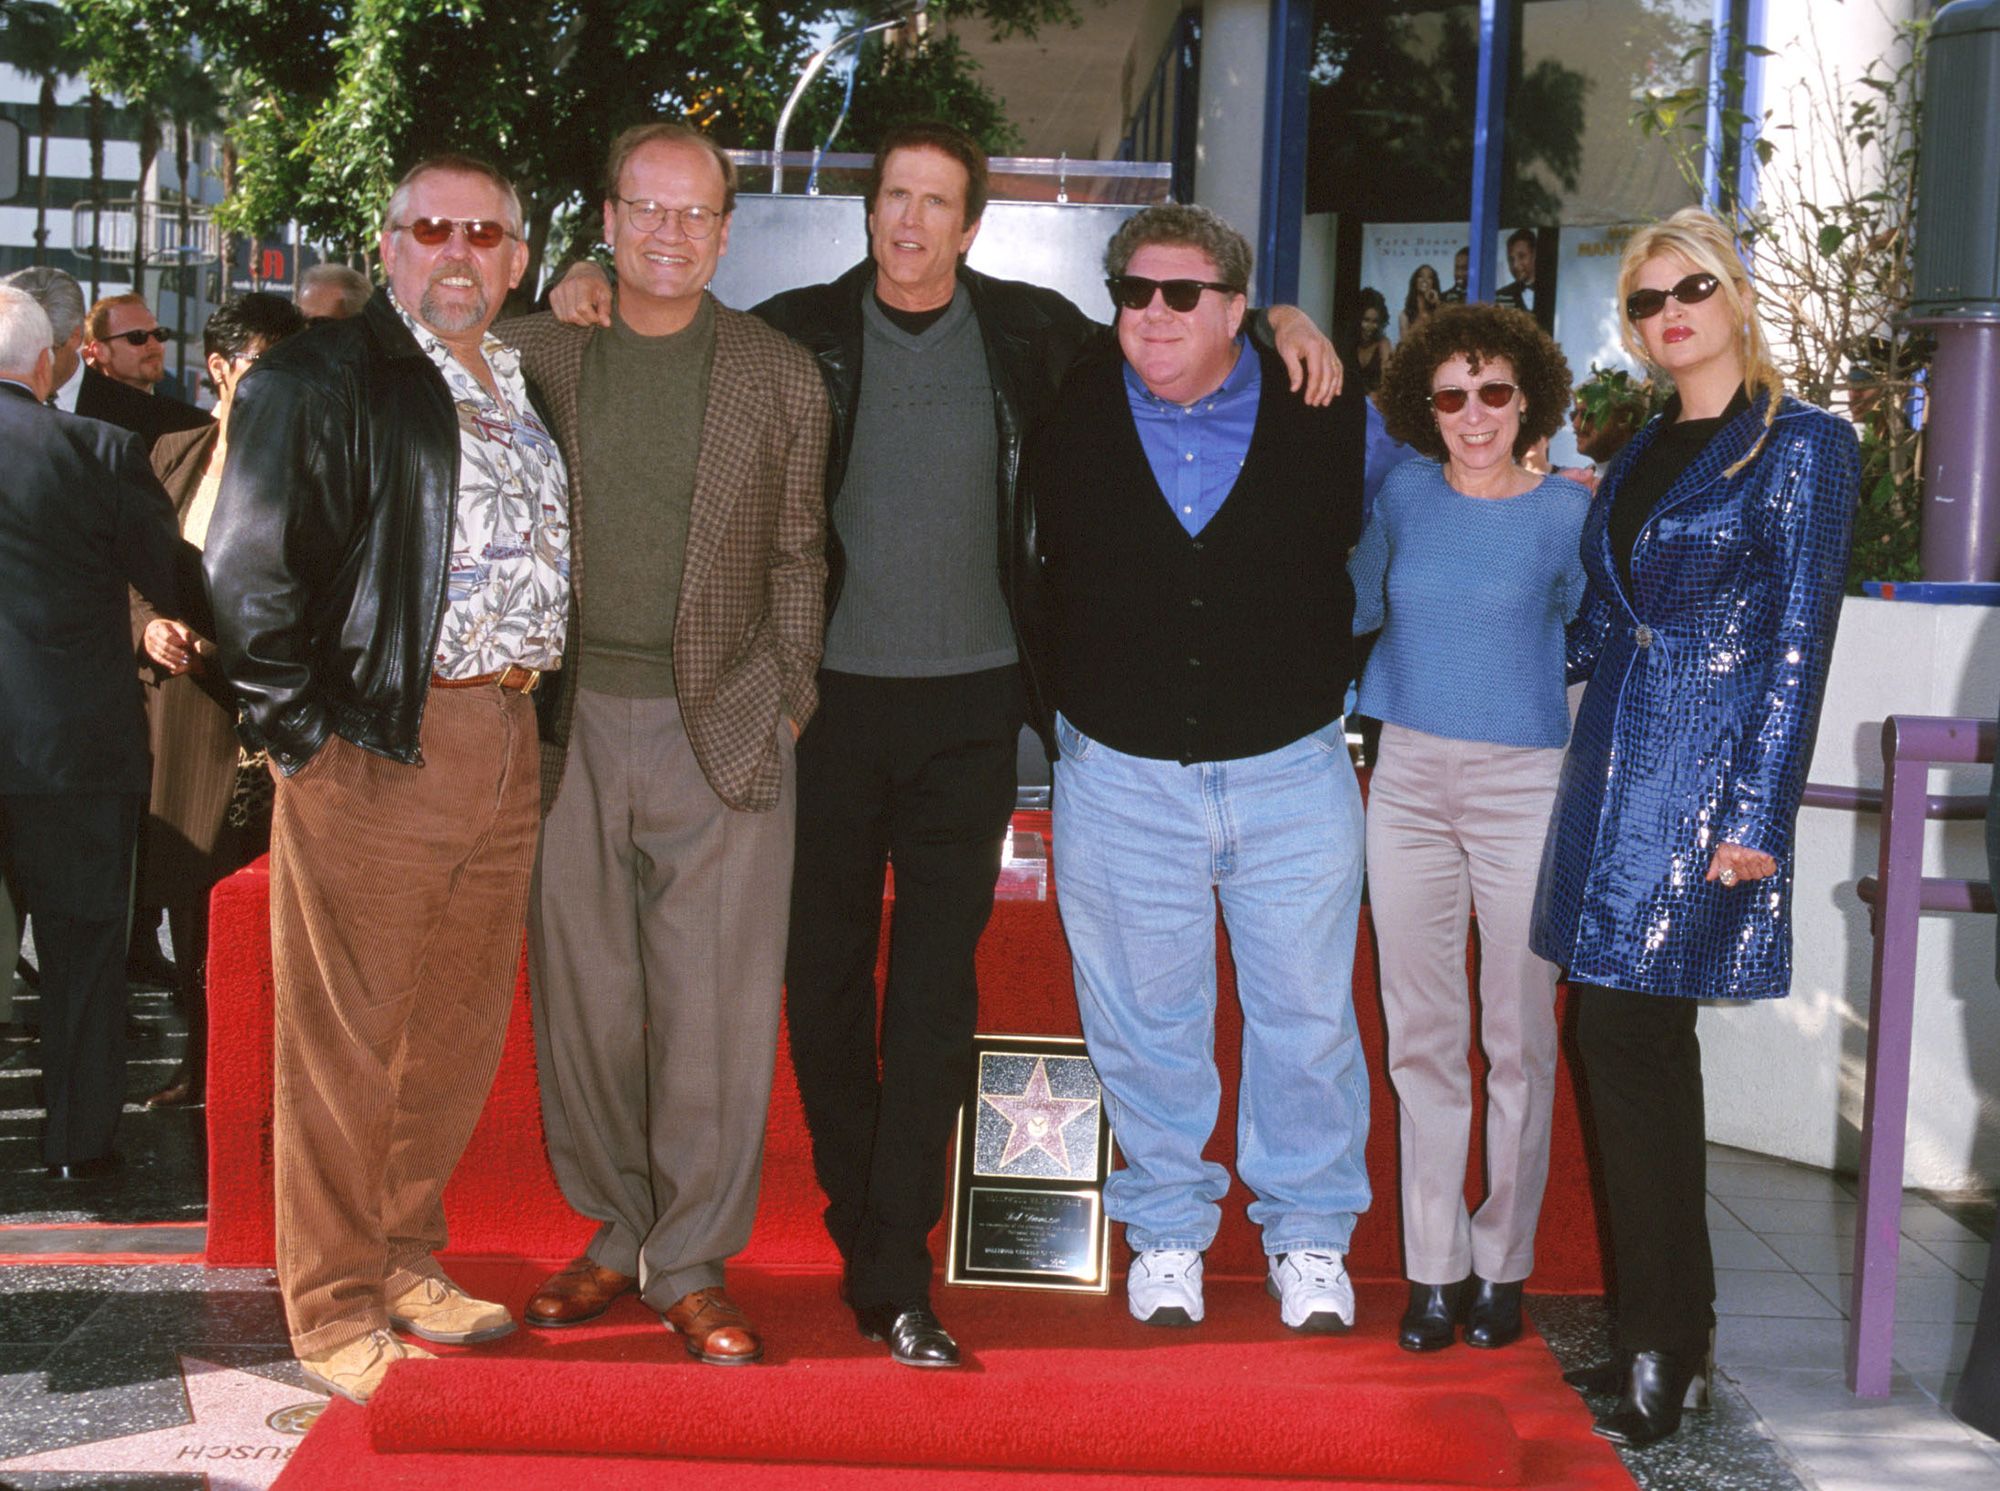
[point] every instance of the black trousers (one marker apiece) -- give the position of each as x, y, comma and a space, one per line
70, 856
1642, 1066
918, 773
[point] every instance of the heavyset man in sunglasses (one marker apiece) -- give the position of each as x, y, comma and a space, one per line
1194, 626
388, 561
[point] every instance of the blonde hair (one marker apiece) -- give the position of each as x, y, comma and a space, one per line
1702, 240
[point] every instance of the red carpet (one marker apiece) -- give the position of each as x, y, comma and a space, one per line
1067, 1387
504, 1202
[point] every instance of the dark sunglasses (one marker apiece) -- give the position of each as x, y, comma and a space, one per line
1492, 395
1641, 305
139, 338
480, 232
1134, 292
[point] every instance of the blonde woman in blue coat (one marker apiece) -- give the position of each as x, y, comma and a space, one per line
1716, 551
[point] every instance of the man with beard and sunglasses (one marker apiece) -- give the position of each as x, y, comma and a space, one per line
389, 565
1193, 522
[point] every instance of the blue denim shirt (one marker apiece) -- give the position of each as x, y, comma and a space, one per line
1196, 450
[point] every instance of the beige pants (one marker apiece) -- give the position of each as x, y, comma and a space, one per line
1455, 825
397, 900
656, 940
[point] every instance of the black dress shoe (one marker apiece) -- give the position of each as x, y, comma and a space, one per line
1658, 1385
915, 1337
94, 1169
1604, 1380
1493, 1315
1432, 1316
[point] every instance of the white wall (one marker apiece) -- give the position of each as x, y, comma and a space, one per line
1229, 142
1786, 1077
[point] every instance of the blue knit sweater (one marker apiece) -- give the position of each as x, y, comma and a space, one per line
1471, 595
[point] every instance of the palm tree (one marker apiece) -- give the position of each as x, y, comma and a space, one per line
40, 40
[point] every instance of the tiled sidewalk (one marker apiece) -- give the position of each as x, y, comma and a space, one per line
1784, 1254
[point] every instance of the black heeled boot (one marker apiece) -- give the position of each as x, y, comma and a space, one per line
1493, 1317
1432, 1316
1658, 1385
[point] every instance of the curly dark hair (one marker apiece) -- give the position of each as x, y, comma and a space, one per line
1480, 334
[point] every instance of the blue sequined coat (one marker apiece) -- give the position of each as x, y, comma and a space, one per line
1697, 727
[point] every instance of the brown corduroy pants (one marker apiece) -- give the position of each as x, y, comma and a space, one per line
398, 896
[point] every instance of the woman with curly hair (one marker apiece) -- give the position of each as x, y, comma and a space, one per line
1469, 568
1717, 552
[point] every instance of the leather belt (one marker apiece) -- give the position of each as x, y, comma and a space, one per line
513, 676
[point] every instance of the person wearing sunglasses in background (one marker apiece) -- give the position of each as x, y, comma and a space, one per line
124, 359
1716, 549
1469, 569
1192, 620
388, 561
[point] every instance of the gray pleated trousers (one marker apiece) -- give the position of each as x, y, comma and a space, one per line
656, 939
1454, 825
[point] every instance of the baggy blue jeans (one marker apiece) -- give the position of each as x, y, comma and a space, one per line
1142, 849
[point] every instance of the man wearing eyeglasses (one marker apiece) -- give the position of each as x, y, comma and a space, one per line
388, 559
696, 439
1194, 619
124, 358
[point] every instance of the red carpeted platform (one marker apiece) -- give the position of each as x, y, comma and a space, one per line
503, 1201
1058, 1390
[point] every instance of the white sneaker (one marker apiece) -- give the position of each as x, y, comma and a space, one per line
1313, 1292
1163, 1287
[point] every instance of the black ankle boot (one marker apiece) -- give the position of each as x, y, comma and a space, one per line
1493, 1316
1432, 1316
1658, 1385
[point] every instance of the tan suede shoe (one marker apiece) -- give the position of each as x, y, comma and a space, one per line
355, 1370
438, 1310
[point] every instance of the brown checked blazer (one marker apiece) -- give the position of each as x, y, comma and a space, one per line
752, 613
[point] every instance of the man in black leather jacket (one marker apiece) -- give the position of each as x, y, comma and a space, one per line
388, 560
924, 687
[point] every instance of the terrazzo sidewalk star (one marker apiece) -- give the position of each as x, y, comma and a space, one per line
242, 1430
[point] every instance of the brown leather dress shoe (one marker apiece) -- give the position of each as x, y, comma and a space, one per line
715, 1328
581, 1292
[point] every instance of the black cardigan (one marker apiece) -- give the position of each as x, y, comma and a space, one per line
1228, 643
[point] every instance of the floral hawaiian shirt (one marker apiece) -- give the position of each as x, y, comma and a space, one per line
507, 597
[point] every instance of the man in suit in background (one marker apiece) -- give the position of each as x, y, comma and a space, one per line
125, 355
61, 300
657, 924
81, 519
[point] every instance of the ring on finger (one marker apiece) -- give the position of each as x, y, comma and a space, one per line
1727, 877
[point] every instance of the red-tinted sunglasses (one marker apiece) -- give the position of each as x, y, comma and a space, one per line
1642, 305
1494, 395
480, 232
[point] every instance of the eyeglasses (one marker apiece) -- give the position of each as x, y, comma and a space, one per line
139, 338
648, 216
1642, 305
1493, 395
1134, 292
480, 232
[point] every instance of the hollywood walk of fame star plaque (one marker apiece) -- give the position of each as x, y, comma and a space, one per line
1027, 1196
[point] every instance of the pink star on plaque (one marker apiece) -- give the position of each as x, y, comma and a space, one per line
240, 1433
1038, 1119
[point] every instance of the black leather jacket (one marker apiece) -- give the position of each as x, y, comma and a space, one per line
1032, 336
327, 555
